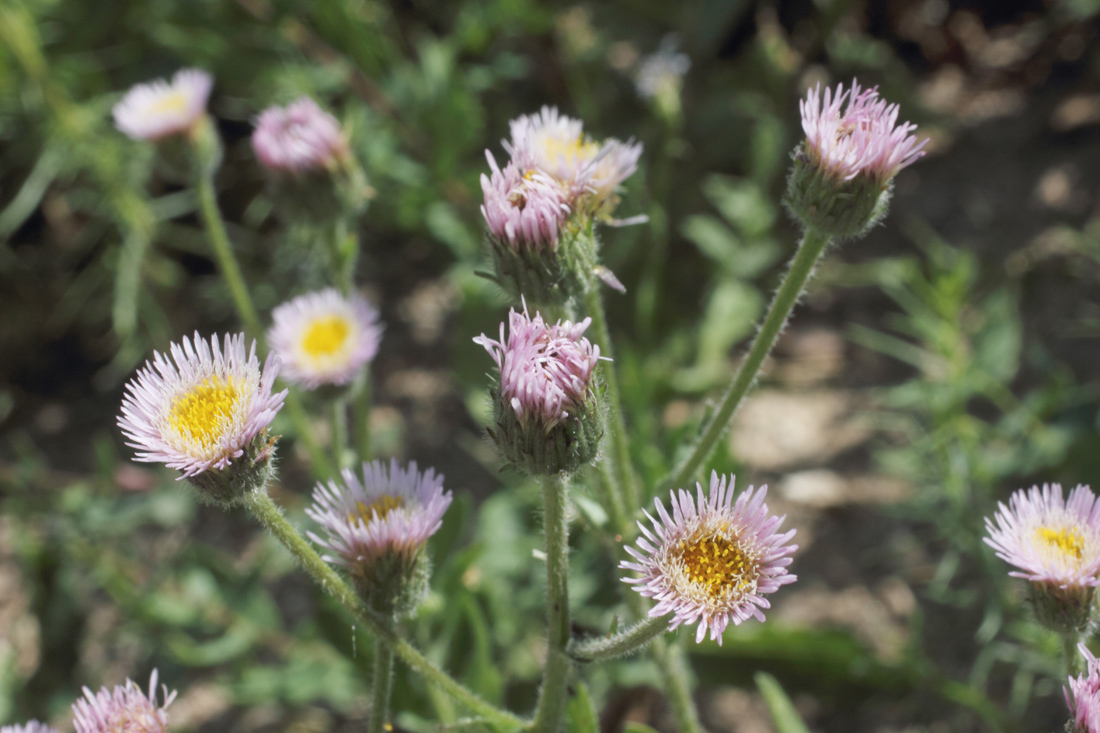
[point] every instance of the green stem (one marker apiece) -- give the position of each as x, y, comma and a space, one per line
674, 673
1073, 657
625, 642
620, 447
551, 706
361, 407
223, 252
381, 688
271, 517
801, 268
339, 431
322, 466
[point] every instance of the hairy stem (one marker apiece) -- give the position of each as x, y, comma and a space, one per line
361, 408
271, 517
624, 642
551, 706
381, 688
322, 466
801, 268
339, 431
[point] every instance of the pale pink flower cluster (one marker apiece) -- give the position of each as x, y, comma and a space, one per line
545, 370
1083, 695
324, 337
864, 138
200, 412
125, 708
389, 510
160, 108
32, 726
298, 138
523, 209
1048, 539
712, 560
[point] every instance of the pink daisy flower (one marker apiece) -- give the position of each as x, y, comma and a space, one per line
390, 510
160, 108
545, 371
713, 560
1083, 695
1050, 541
324, 337
298, 138
864, 138
525, 209
200, 412
32, 726
125, 708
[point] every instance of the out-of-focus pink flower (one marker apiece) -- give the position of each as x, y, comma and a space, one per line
1083, 695
32, 726
200, 412
125, 708
1050, 541
525, 209
712, 561
160, 108
324, 337
863, 138
545, 371
298, 138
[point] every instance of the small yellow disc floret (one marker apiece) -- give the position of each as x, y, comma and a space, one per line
717, 565
326, 336
377, 509
1068, 541
202, 414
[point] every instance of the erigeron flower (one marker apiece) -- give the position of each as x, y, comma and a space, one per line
713, 560
324, 337
545, 402
1050, 541
32, 726
525, 209
376, 527
1083, 695
298, 138
865, 138
125, 709
202, 409
662, 73
157, 109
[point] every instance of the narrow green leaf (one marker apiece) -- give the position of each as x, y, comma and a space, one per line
784, 715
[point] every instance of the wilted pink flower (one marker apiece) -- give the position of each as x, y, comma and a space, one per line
1048, 540
32, 726
158, 109
125, 709
324, 337
545, 371
1083, 695
863, 139
297, 138
392, 510
524, 209
713, 560
201, 412
556, 144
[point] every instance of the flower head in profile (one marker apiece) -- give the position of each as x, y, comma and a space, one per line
200, 410
125, 708
376, 526
298, 138
160, 108
324, 337
545, 370
713, 560
1083, 695
525, 209
1050, 541
860, 137
32, 726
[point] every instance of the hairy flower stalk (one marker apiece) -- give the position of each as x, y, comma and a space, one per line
1083, 695
712, 561
205, 412
1055, 545
839, 186
546, 402
124, 708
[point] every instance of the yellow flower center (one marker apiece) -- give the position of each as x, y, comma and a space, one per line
377, 509
557, 148
1067, 541
717, 565
169, 104
202, 413
326, 336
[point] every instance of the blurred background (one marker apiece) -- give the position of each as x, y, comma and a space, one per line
937, 365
